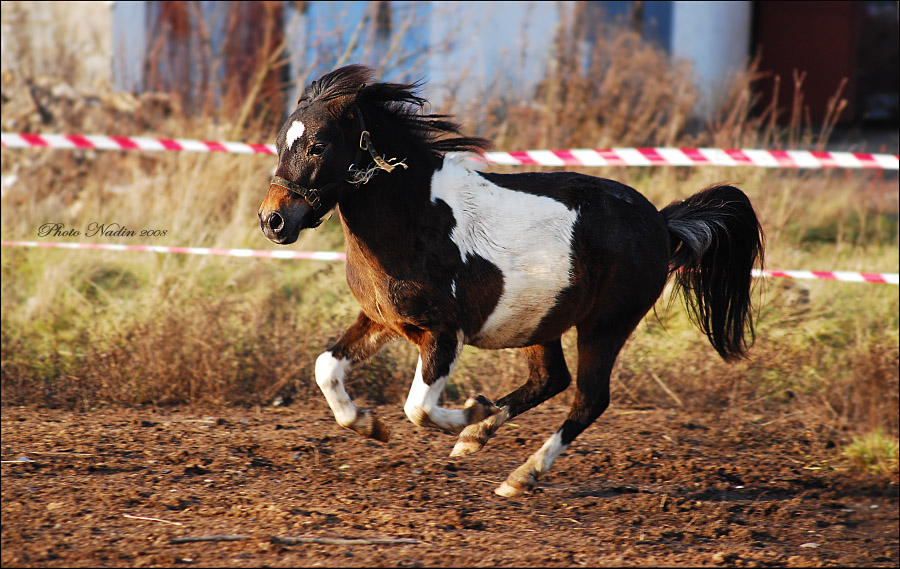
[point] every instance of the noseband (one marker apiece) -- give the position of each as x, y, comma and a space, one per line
312, 195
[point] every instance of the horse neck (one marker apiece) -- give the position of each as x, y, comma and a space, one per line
381, 214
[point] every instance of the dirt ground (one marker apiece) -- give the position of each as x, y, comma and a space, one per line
115, 487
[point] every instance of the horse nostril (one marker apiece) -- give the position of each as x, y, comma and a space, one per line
276, 222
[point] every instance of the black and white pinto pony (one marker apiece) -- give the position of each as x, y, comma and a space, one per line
445, 255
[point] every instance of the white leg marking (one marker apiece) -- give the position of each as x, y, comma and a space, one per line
330, 374
548, 453
421, 405
293, 134
422, 409
525, 477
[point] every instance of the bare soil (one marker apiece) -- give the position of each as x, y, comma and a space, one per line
640, 487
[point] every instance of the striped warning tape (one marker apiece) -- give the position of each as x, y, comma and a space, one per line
696, 157
279, 254
660, 156
103, 142
849, 276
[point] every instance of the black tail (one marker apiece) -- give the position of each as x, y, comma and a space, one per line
716, 240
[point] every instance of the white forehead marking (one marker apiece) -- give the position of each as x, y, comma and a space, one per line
293, 133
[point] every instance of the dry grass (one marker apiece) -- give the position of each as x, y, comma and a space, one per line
606, 99
874, 452
80, 329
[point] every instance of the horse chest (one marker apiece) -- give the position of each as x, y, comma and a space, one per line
406, 306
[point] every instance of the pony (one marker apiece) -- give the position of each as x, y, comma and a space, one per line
444, 255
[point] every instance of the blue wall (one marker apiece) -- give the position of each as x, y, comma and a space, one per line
657, 18
495, 43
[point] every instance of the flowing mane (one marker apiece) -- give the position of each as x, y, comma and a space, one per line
398, 104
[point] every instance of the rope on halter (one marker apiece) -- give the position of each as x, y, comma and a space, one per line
360, 176
365, 143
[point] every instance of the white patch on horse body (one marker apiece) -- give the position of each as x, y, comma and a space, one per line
422, 402
330, 374
293, 134
528, 237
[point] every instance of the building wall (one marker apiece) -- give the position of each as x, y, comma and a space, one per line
478, 45
467, 49
36, 35
129, 42
715, 36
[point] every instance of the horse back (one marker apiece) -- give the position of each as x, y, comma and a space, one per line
619, 248
539, 251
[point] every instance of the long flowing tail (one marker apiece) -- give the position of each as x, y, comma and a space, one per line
716, 240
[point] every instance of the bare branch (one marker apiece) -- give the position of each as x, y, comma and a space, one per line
152, 519
343, 541
208, 538
354, 39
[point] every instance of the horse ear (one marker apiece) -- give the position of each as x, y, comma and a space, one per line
355, 99
340, 107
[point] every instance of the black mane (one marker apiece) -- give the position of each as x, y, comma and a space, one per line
397, 103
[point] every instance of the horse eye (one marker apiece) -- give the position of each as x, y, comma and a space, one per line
316, 150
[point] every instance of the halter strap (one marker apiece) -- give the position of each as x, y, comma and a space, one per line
311, 195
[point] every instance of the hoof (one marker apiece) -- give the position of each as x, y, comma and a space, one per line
467, 444
370, 425
479, 408
380, 431
520, 481
508, 490
473, 438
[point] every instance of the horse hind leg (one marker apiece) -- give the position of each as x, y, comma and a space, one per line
596, 356
548, 376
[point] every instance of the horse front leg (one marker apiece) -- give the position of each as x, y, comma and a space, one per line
438, 354
361, 341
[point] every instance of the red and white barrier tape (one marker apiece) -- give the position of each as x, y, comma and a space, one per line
277, 254
696, 157
660, 156
103, 142
849, 276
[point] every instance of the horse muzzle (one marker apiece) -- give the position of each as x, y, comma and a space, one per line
282, 216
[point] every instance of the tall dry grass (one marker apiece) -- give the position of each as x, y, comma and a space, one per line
622, 91
86, 328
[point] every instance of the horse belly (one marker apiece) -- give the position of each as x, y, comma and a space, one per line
515, 319
532, 282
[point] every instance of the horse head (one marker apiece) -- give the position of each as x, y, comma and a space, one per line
318, 146
326, 149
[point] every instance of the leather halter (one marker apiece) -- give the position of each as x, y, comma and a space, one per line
312, 195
